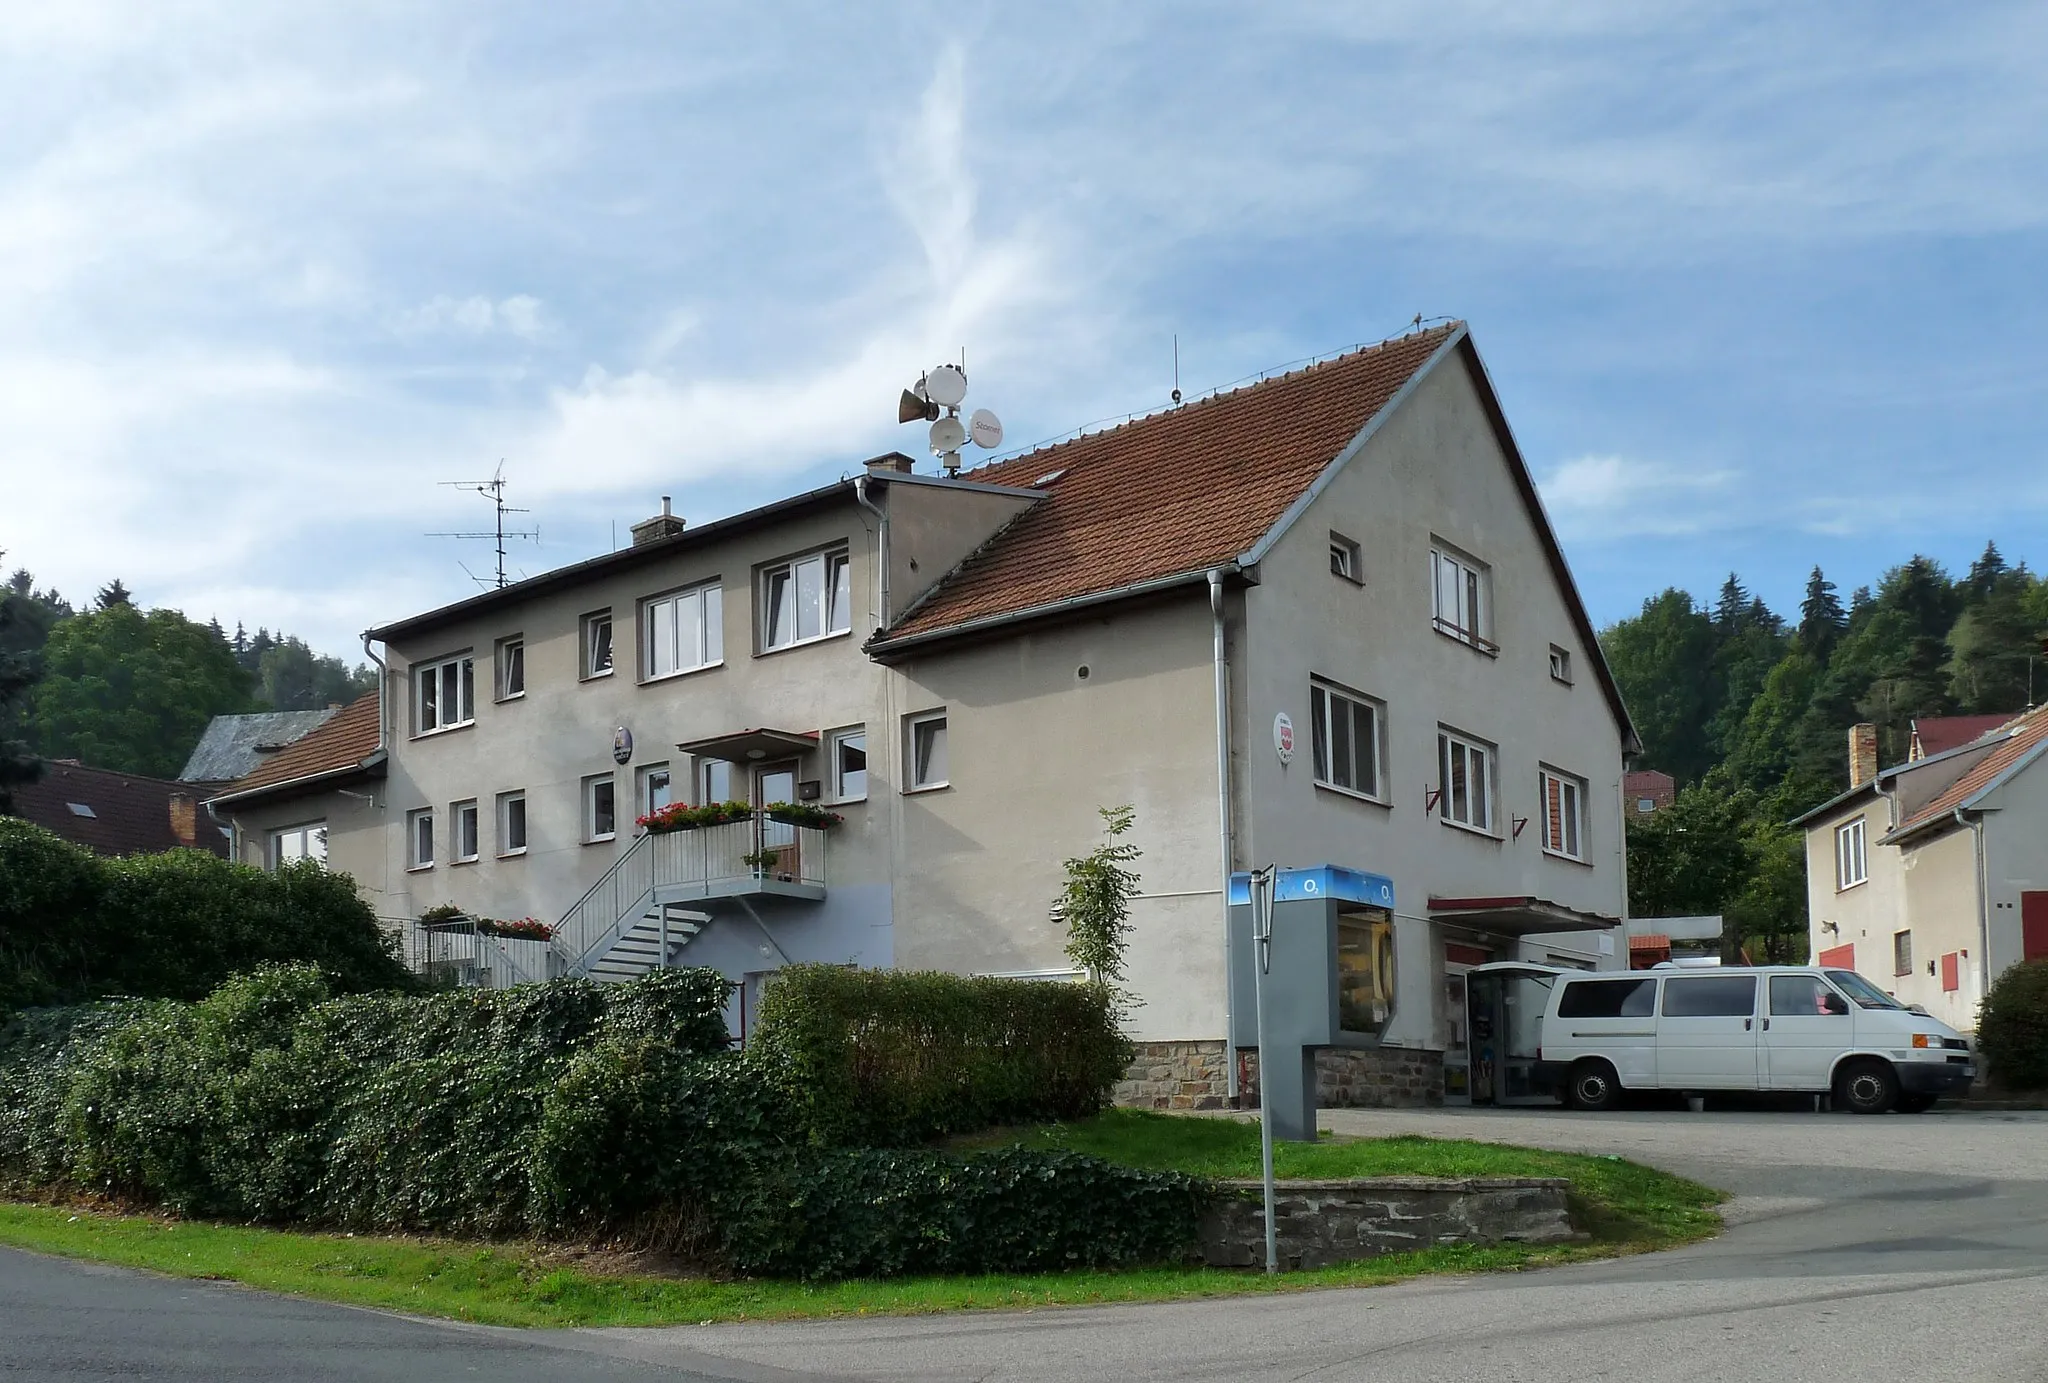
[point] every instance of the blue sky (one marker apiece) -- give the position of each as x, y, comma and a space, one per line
1761, 286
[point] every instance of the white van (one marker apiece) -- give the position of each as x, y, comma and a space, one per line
1792, 1028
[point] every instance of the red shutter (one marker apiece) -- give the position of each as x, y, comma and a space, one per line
1455, 954
1839, 957
1951, 979
2034, 926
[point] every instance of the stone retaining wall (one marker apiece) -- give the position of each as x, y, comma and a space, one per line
1191, 1075
1338, 1221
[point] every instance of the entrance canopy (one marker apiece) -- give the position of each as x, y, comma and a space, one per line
1517, 916
743, 746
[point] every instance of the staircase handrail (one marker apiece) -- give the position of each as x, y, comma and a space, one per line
592, 922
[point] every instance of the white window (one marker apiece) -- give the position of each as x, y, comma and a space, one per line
511, 664
925, 750
1646, 805
1852, 866
682, 632
419, 835
444, 695
1560, 664
295, 843
1465, 781
462, 844
600, 809
597, 645
657, 789
808, 598
1345, 735
1345, 559
714, 780
1460, 592
1564, 814
511, 823
849, 759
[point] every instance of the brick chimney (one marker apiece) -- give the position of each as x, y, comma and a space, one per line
1862, 754
893, 461
661, 526
184, 818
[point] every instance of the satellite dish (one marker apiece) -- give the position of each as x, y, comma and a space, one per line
986, 429
947, 435
911, 407
946, 386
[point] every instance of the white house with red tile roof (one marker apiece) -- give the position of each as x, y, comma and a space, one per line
1321, 619
1931, 878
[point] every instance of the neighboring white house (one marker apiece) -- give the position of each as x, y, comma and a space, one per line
1320, 619
1931, 878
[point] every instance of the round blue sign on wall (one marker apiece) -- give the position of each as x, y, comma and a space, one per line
622, 745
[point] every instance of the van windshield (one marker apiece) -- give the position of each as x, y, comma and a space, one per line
1866, 994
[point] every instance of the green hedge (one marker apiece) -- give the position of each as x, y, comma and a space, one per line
74, 926
887, 1057
2012, 1027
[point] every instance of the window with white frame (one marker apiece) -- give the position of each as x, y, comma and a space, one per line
1461, 596
462, 832
597, 644
444, 694
682, 632
1345, 738
511, 668
1852, 865
1345, 559
925, 751
1560, 664
714, 780
295, 843
1465, 781
600, 808
849, 760
809, 598
657, 788
419, 836
511, 823
1564, 814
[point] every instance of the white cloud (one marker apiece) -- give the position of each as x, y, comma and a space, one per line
1617, 498
518, 315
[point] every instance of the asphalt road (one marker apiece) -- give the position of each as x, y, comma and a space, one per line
1908, 1248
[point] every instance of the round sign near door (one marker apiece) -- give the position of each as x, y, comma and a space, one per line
1283, 737
622, 745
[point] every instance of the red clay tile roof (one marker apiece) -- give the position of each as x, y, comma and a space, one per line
2027, 734
1939, 734
1173, 493
1658, 786
343, 742
123, 813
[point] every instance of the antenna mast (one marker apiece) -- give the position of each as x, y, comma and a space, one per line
494, 491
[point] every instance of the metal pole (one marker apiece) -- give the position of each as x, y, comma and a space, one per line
1262, 934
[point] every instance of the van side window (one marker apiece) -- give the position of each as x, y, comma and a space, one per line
1803, 995
1710, 996
1608, 999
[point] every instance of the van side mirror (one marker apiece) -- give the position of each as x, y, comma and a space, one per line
1834, 1004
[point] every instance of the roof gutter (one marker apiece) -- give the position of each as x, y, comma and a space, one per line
311, 780
1052, 609
383, 688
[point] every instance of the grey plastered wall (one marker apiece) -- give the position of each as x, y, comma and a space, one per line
356, 830
2015, 854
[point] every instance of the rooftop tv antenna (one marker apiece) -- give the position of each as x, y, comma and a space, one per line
936, 398
494, 491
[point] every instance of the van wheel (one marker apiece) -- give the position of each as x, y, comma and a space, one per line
1592, 1087
1867, 1087
1914, 1104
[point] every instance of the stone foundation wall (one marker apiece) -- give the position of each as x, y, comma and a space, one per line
1191, 1075
1320, 1222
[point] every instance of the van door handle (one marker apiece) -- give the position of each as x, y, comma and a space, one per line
1767, 1025
1748, 1024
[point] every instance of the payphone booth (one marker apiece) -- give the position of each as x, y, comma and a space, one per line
1329, 980
1504, 1004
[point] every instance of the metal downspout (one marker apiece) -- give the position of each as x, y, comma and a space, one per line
1222, 670
860, 495
383, 695
1983, 907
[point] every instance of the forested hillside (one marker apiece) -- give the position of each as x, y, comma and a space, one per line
1750, 710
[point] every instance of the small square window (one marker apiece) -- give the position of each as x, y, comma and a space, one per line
809, 598
600, 809
511, 823
1344, 737
597, 645
295, 843
1462, 597
1852, 863
1346, 560
925, 746
657, 788
850, 764
1560, 664
1564, 815
462, 823
419, 834
1464, 782
444, 695
511, 662
714, 780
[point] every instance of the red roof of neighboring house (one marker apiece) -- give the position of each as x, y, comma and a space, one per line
1938, 734
342, 743
2029, 733
1658, 786
1172, 493
116, 813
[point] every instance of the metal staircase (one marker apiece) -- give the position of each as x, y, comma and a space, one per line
654, 942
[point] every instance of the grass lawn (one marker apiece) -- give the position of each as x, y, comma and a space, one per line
1627, 1207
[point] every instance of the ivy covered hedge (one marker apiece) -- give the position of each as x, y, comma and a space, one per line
888, 1057
2012, 1029
566, 1109
75, 926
